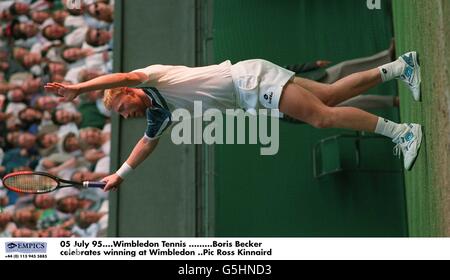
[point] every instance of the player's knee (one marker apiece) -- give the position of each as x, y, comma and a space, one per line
330, 99
323, 121
327, 94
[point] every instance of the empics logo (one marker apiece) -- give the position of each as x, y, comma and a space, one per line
374, 4
26, 247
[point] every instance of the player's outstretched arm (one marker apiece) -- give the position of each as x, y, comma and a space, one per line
140, 152
70, 92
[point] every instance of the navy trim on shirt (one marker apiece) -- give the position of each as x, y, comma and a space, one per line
159, 117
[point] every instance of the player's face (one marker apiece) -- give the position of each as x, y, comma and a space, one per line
129, 105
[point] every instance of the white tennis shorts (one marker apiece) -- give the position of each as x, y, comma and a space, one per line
259, 83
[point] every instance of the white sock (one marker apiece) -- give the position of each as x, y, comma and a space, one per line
389, 129
391, 70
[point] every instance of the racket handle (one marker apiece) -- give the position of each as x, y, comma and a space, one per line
88, 184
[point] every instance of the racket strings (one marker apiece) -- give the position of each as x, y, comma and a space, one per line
31, 183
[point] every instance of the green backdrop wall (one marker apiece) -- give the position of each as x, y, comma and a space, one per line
278, 196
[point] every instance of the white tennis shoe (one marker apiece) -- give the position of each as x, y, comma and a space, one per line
411, 74
409, 143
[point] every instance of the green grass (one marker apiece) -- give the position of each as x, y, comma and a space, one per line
424, 26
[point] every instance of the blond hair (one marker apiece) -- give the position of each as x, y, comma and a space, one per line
111, 95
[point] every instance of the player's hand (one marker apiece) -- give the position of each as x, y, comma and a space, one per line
112, 182
322, 63
68, 92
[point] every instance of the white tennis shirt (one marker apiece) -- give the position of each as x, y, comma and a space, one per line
181, 85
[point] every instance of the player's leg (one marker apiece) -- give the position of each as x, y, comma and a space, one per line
301, 104
348, 67
369, 102
406, 68
343, 89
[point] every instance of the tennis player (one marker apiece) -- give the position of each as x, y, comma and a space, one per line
250, 85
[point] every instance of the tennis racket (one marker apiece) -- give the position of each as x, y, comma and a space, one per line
40, 182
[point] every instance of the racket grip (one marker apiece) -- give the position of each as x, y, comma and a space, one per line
89, 184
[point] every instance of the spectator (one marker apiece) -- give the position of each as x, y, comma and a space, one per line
29, 117
42, 41
95, 138
62, 117
39, 17
98, 37
46, 103
90, 224
44, 201
81, 176
101, 11
26, 217
47, 142
21, 30
67, 201
6, 224
27, 140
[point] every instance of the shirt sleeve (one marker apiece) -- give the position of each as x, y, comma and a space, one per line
147, 72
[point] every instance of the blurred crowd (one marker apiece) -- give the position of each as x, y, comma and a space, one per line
41, 41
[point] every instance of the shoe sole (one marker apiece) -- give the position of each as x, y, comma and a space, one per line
417, 63
418, 150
